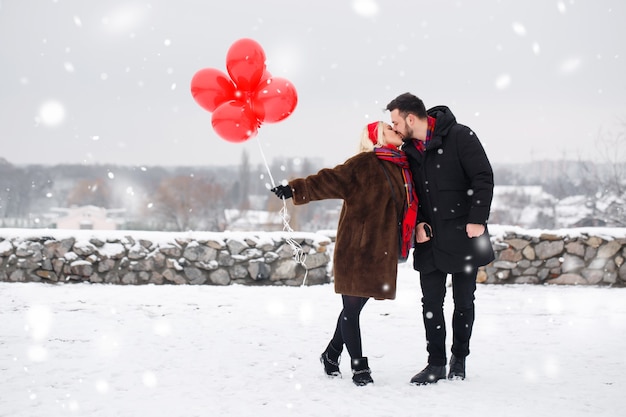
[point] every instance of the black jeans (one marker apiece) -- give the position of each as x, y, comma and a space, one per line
433, 294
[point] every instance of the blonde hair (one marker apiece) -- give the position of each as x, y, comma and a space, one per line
366, 145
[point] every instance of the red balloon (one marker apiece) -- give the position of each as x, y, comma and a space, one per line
265, 78
245, 97
211, 87
274, 100
245, 62
234, 121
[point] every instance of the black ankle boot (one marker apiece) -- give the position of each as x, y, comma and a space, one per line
361, 373
457, 368
429, 375
330, 358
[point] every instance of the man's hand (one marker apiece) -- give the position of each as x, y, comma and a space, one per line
474, 230
423, 232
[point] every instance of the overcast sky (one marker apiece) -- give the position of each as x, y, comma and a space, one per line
109, 81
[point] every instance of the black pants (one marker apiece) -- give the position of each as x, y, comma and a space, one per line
433, 294
348, 329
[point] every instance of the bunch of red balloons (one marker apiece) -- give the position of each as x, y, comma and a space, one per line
248, 98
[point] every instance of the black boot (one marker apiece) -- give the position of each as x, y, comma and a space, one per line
457, 368
361, 374
330, 358
429, 375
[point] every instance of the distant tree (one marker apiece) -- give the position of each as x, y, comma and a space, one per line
604, 181
188, 203
11, 189
23, 192
612, 150
243, 186
94, 192
504, 176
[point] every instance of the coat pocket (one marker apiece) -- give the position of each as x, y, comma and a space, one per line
453, 200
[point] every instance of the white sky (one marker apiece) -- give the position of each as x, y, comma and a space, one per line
185, 351
108, 82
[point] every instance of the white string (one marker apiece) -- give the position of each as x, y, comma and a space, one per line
265, 161
298, 253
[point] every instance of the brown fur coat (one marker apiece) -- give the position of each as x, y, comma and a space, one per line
366, 250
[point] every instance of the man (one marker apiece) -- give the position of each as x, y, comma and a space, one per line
454, 183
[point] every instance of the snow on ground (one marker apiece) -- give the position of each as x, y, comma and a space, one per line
104, 350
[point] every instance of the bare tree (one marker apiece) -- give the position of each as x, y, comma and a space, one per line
612, 150
604, 181
189, 203
94, 192
243, 186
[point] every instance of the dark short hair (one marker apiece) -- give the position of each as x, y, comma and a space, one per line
408, 103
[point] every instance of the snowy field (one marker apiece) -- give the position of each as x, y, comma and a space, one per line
95, 350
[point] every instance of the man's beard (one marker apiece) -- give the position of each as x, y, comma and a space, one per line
407, 135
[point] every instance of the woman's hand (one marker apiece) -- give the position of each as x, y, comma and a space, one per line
282, 191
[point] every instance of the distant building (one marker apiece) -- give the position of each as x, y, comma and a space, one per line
87, 217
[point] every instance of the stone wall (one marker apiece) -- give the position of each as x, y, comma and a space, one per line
162, 258
584, 256
588, 256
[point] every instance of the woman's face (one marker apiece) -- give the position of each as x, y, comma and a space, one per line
391, 136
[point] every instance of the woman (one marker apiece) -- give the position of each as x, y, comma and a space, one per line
375, 227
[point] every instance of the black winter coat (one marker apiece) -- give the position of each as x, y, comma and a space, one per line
454, 184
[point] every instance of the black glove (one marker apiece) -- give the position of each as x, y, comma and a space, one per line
282, 191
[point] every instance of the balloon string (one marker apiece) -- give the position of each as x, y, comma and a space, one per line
265, 162
298, 253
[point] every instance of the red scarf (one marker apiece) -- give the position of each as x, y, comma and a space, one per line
410, 203
421, 146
